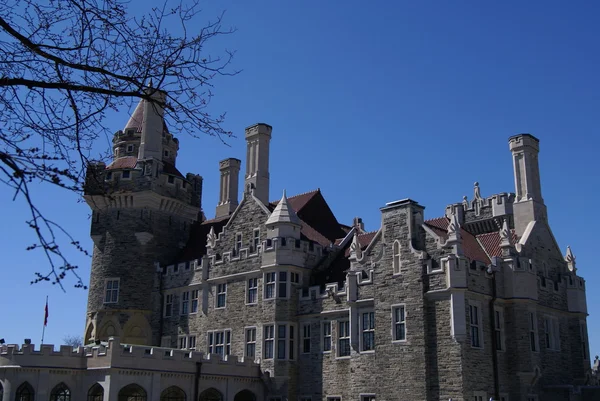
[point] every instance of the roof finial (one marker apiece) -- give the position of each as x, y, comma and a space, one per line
570, 259
505, 235
355, 251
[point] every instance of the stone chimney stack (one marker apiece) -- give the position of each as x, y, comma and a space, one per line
529, 204
152, 126
258, 137
228, 194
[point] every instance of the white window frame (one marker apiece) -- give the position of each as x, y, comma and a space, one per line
269, 338
255, 240
396, 323
192, 342
326, 336
285, 282
212, 344
220, 289
500, 329
168, 305
367, 397
533, 330
270, 284
194, 301
306, 338
251, 285
129, 148
346, 324
277, 284
552, 332
112, 290
182, 342
185, 303
250, 339
367, 330
334, 398
239, 242
475, 306
289, 341
397, 257
480, 396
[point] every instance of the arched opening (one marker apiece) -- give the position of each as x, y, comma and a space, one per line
60, 393
96, 393
24, 392
132, 392
173, 393
211, 394
88, 334
396, 257
245, 395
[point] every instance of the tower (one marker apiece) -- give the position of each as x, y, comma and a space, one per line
529, 205
258, 137
142, 209
229, 184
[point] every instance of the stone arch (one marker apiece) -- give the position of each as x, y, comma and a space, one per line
96, 393
211, 394
173, 393
137, 330
132, 392
109, 327
25, 392
60, 392
245, 395
89, 333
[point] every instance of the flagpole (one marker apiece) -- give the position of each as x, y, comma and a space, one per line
45, 319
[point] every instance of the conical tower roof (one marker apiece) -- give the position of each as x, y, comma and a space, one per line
283, 213
136, 120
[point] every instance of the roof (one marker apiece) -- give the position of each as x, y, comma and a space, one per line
491, 242
131, 161
136, 121
298, 201
283, 213
364, 240
472, 248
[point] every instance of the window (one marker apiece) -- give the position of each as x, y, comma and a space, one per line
132, 392
252, 291
367, 397
24, 392
192, 342
368, 331
255, 239
583, 337
343, 338
170, 179
111, 293
475, 326
306, 338
219, 342
251, 342
552, 332
503, 397
399, 322
396, 257
182, 342
281, 341
499, 328
282, 285
166, 153
269, 339
480, 396
194, 301
326, 336
533, 340
185, 302
168, 305
60, 393
221, 295
291, 345
96, 393
109, 176
126, 174
172, 393
129, 148
238, 243
270, 285
337, 398
295, 278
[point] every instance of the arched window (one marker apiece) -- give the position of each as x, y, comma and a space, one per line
60, 393
24, 392
245, 395
132, 392
211, 395
396, 256
173, 393
96, 393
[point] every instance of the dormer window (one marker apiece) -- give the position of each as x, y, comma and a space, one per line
129, 148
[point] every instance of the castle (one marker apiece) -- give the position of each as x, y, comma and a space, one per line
277, 300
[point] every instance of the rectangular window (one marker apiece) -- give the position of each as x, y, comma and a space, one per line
219, 342
194, 301
252, 291
334, 398
182, 342
192, 342
399, 321
499, 328
292, 345
111, 291
255, 239
238, 243
551, 329
295, 278
281, 338
251, 342
533, 340
269, 339
185, 302
306, 338
270, 285
344, 338
170, 179
475, 326
368, 331
221, 295
126, 174
168, 305
367, 397
326, 336
282, 285
129, 148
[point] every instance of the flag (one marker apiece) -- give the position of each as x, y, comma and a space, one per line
46, 313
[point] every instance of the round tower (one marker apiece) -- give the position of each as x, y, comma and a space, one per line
142, 210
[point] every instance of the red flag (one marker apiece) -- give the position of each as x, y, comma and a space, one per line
46, 314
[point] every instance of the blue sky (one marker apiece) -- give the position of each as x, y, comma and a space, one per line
374, 102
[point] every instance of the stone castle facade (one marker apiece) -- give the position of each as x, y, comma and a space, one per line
277, 300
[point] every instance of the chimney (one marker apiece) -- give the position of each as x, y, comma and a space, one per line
228, 194
258, 137
152, 126
529, 204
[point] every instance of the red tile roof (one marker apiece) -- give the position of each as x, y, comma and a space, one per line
364, 240
472, 248
123, 162
491, 242
298, 201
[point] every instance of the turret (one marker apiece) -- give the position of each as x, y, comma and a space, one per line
283, 222
258, 137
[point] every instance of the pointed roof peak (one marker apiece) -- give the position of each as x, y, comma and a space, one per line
283, 213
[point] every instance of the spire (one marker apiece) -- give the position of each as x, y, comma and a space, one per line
454, 228
355, 251
505, 235
283, 213
570, 259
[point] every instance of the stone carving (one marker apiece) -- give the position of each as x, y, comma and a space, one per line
355, 247
211, 238
505, 235
454, 226
465, 202
570, 258
477, 191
